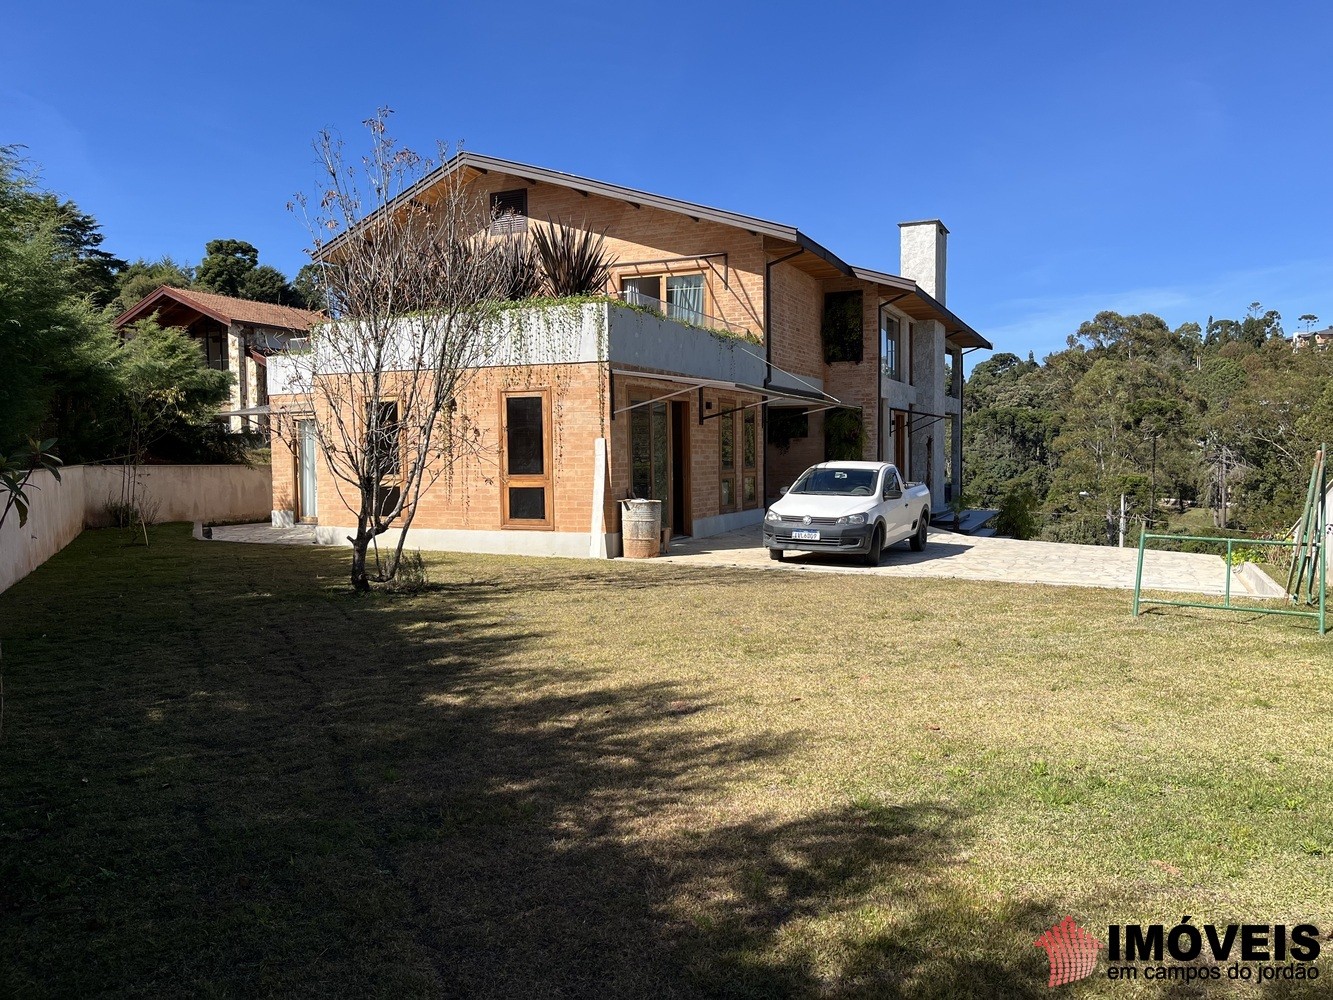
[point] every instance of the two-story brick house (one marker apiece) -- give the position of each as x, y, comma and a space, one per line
760, 351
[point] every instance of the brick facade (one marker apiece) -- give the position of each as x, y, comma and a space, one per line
646, 240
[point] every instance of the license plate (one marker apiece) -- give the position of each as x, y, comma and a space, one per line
805, 535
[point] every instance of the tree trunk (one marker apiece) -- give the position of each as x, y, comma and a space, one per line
359, 545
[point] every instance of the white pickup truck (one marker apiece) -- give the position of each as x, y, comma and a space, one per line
848, 508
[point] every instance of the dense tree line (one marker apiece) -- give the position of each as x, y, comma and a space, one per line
1172, 419
67, 374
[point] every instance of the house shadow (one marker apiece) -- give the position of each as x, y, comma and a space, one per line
325, 794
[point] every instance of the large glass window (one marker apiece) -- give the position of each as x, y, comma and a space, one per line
384, 438
643, 291
890, 346
685, 298
749, 459
726, 452
682, 297
738, 460
649, 451
526, 464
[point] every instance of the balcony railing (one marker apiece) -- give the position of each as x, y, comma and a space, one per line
680, 313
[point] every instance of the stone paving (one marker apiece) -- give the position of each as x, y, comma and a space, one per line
300, 534
967, 557
948, 555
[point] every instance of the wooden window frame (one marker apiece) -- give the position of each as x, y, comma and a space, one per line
544, 480
748, 415
661, 274
397, 404
643, 402
727, 417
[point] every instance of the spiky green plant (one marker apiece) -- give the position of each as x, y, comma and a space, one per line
518, 269
573, 261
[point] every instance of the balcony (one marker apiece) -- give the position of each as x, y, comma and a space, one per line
680, 312
636, 335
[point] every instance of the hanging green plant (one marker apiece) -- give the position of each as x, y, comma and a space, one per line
786, 424
841, 329
844, 435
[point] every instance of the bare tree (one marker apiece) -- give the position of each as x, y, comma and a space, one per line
412, 282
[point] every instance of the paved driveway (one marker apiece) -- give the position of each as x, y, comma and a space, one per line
963, 557
967, 557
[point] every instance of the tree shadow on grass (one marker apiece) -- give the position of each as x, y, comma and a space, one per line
226, 777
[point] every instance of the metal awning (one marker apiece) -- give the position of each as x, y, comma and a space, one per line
816, 398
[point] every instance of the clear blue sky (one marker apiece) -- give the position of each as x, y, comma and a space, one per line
1168, 157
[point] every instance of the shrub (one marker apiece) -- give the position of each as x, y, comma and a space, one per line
409, 575
573, 261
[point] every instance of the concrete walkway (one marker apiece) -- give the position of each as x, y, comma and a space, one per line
967, 557
948, 555
300, 534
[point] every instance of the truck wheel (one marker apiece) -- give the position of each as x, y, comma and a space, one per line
775, 555
918, 541
876, 547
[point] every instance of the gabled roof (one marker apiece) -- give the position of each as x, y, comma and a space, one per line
959, 332
223, 308
485, 164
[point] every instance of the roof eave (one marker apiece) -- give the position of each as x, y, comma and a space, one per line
144, 306
956, 331
586, 185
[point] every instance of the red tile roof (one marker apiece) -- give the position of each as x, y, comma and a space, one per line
225, 309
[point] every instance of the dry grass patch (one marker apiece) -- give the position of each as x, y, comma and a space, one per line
225, 775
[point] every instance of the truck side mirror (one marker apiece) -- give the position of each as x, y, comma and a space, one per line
782, 490
892, 494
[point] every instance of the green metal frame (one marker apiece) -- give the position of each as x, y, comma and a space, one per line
1313, 532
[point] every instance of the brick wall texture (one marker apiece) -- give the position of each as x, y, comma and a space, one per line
646, 241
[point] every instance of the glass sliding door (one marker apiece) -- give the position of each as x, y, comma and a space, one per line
307, 487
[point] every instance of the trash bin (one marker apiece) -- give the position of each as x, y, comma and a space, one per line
641, 528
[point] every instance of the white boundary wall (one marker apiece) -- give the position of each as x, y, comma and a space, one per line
60, 510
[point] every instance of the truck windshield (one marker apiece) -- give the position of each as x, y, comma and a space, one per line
837, 482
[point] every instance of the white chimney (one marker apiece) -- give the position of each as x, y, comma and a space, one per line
924, 255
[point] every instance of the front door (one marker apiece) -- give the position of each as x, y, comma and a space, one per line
659, 456
680, 469
650, 452
307, 494
900, 441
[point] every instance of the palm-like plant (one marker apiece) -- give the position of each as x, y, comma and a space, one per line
518, 272
573, 261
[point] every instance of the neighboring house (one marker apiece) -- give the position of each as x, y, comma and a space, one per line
1312, 338
760, 352
236, 335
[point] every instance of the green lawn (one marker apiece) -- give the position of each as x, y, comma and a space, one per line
223, 775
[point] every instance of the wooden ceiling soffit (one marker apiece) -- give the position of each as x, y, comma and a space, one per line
811, 263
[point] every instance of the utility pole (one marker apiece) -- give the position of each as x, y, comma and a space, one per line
1223, 486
